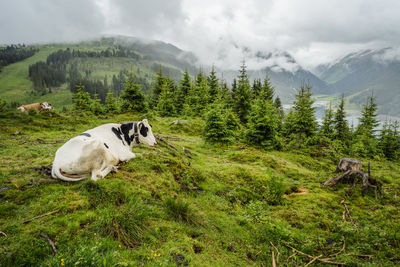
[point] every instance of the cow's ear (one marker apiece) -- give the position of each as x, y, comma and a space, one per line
145, 121
143, 129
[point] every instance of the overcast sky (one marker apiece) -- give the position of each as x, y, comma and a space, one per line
312, 31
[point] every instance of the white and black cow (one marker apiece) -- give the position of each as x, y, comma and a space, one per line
98, 151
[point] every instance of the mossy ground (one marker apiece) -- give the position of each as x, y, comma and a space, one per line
212, 206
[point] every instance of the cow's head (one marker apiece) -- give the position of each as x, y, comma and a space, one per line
45, 106
145, 133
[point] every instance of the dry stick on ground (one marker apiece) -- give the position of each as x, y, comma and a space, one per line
360, 255
273, 259
316, 258
340, 251
348, 213
43, 215
2, 233
324, 260
165, 142
50, 242
277, 251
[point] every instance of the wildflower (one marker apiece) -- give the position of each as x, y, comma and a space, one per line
119, 245
94, 233
62, 262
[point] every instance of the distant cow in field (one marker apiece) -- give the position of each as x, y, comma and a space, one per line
38, 106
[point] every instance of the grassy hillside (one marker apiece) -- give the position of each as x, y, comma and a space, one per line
16, 87
212, 206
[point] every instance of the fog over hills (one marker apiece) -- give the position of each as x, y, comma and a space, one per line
355, 75
358, 75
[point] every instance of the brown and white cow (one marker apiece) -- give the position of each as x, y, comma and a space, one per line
38, 106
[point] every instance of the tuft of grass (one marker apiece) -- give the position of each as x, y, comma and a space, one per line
179, 210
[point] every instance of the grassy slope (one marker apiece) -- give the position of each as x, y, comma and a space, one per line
15, 84
214, 209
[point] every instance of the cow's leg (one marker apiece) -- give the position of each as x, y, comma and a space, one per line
100, 174
127, 156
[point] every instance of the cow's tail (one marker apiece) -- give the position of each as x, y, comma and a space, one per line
56, 172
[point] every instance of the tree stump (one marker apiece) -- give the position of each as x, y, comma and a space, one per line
346, 164
354, 175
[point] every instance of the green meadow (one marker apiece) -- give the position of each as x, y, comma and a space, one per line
187, 203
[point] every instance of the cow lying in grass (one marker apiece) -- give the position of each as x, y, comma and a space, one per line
98, 151
37, 106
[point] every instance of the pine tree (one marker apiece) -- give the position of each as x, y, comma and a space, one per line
342, 131
305, 122
328, 124
268, 90
200, 77
389, 140
81, 99
242, 96
234, 89
225, 95
256, 88
215, 129
262, 126
157, 88
185, 87
280, 113
368, 121
197, 99
279, 108
132, 97
95, 106
365, 142
166, 102
212, 82
111, 104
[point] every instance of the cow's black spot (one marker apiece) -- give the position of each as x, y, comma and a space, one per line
85, 134
125, 128
143, 130
118, 133
106, 145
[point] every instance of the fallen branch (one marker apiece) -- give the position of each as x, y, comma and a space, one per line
340, 251
41, 216
277, 251
360, 255
348, 213
53, 246
273, 259
316, 258
324, 260
159, 138
294, 254
2, 233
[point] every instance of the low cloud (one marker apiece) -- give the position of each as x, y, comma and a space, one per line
219, 32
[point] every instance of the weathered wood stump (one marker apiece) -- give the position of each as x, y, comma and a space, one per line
346, 164
353, 174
